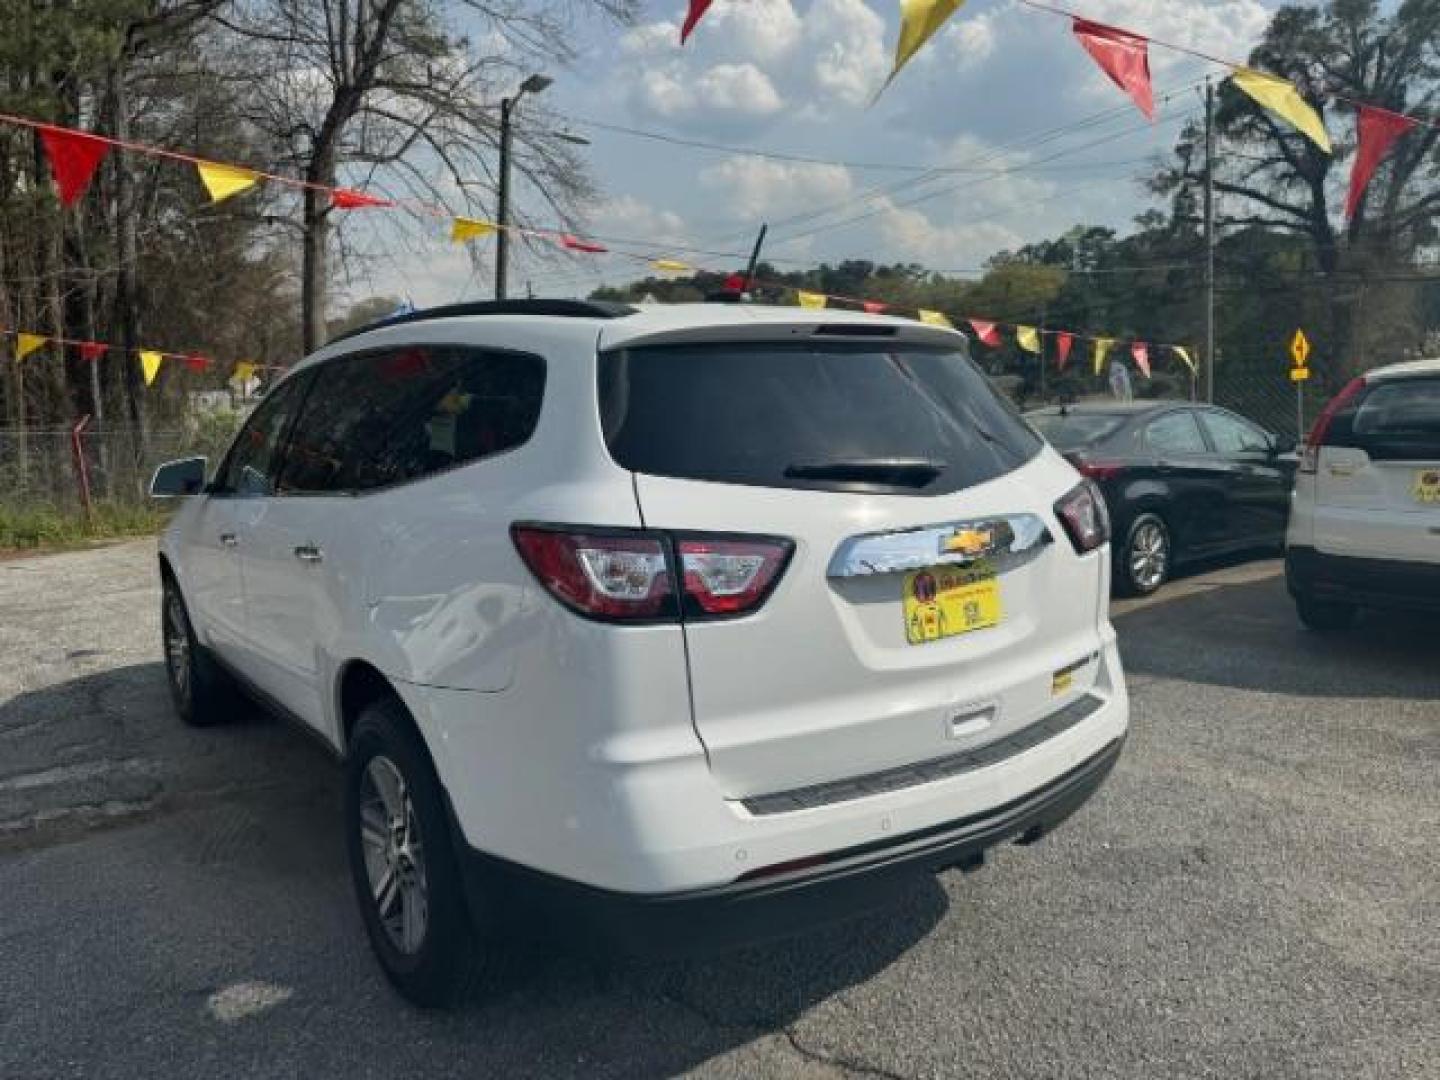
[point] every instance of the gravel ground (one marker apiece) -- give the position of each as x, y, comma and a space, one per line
1256, 892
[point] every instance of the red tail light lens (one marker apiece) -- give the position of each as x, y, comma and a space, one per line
1095, 470
1310, 455
730, 577
605, 575
625, 575
1085, 516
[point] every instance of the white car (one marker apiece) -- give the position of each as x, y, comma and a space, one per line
1365, 516
683, 626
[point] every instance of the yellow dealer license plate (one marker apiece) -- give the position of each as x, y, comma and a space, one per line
948, 600
1427, 486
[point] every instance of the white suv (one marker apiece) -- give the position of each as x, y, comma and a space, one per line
689, 625
1365, 516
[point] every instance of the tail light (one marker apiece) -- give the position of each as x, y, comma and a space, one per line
730, 577
1310, 455
1085, 516
629, 575
1095, 470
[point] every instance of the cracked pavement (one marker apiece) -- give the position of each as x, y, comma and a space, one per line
1254, 893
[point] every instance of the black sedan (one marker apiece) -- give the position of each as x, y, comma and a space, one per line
1182, 481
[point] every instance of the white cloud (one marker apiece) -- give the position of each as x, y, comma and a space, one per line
628, 216
968, 43
737, 88
848, 42
755, 30
913, 236
751, 189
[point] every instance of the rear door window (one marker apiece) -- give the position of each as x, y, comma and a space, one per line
1399, 420
387, 417
891, 418
1176, 433
1069, 431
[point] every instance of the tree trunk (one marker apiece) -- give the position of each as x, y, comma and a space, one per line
313, 273
127, 318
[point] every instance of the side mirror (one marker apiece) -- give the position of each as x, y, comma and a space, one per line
176, 479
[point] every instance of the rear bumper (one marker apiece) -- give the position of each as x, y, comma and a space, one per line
745, 912
1383, 583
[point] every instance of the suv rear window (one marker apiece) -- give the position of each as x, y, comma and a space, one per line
832, 417
1399, 420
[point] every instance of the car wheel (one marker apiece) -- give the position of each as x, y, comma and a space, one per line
402, 861
1145, 558
200, 690
1324, 615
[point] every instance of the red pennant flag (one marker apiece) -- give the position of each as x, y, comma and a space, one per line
1123, 56
1141, 352
196, 362
349, 199
1378, 128
92, 350
734, 283
693, 16
986, 331
1063, 341
576, 244
73, 157
874, 307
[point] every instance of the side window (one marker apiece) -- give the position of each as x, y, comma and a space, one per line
387, 417
1232, 435
249, 466
1175, 433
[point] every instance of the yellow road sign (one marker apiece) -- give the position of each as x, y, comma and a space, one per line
1299, 348
1299, 374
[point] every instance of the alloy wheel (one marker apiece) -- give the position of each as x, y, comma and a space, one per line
394, 855
177, 647
1149, 556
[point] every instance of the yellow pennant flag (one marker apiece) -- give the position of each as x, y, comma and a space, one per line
1102, 346
149, 365
936, 318
1184, 354
810, 299
25, 344
222, 181
466, 228
670, 266
1028, 338
244, 372
919, 19
1280, 97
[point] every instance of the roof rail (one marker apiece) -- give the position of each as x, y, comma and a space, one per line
561, 309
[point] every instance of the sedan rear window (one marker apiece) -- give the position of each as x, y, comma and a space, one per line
888, 418
1070, 431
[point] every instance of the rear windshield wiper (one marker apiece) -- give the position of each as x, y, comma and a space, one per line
898, 472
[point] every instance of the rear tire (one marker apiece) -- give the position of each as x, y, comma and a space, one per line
403, 862
1143, 563
202, 693
1325, 616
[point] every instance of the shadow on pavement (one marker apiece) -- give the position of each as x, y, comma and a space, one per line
236, 874
1246, 636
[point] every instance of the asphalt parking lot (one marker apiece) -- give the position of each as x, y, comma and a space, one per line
1256, 892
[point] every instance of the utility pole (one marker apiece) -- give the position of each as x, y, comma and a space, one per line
1209, 241
755, 258
532, 85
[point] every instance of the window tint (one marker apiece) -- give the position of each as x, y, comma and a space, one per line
1231, 435
1176, 433
1400, 420
1072, 430
249, 466
892, 418
387, 417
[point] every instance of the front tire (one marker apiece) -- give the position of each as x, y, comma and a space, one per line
1145, 559
1325, 616
202, 694
403, 863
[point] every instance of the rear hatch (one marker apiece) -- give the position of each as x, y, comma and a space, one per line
1378, 476
933, 603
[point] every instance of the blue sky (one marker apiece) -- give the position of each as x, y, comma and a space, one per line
1001, 87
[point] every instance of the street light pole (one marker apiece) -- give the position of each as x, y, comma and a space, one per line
532, 85
502, 202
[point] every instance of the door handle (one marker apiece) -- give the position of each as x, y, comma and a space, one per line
229, 539
309, 553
